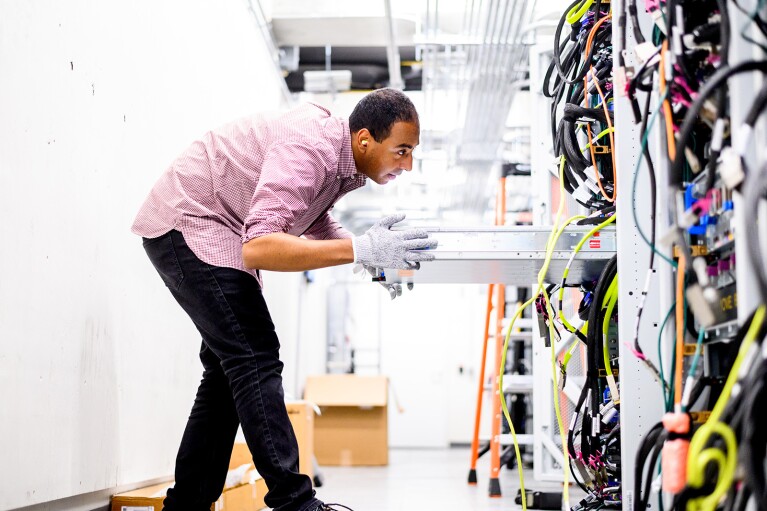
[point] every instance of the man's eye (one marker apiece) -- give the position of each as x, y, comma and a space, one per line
401, 153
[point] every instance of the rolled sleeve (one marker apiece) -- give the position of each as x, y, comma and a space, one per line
327, 228
291, 177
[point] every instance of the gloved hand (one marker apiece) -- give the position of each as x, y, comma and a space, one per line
380, 247
394, 289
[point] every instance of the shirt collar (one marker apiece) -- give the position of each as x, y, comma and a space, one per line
346, 166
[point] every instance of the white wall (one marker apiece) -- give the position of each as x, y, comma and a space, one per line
98, 365
431, 346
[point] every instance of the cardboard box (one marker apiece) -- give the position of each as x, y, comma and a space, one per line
144, 499
246, 489
301, 415
247, 493
353, 428
246, 497
244, 492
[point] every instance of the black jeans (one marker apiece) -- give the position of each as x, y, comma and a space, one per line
241, 384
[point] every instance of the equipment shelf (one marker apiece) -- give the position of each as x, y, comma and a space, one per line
512, 255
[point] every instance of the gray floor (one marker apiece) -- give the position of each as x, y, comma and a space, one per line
427, 479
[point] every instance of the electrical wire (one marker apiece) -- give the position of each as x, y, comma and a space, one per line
550, 244
699, 455
644, 142
680, 310
718, 79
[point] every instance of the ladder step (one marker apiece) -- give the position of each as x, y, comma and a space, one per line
516, 336
505, 439
516, 383
519, 323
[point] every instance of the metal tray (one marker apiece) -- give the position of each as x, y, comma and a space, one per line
510, 255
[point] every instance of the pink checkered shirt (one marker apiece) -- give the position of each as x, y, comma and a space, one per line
255, 176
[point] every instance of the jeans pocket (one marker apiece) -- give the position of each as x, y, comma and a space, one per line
162, 253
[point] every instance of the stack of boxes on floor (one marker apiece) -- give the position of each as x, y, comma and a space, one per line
352, 430
245, 488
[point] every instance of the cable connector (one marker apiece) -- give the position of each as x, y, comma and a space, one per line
614, 393
582, 193
657, 18
540, 500
674, 454
591, 181
700, 266
621, 81
701, 307
563, 376
730, 168
645, 51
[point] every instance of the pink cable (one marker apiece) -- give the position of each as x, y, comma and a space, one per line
637, 354
683, 83
651, 5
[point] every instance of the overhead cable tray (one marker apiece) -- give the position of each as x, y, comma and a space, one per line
510, 255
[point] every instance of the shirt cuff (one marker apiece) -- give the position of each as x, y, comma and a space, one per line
268, 225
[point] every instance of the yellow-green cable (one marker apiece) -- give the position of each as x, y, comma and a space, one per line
727, 462
696, 461
576, 13
577, 249
550, 243
505, 349
558, 411
561, 293
592, 231
602, 134
564, 321
569, 354
503, 401
555, 387
612, 298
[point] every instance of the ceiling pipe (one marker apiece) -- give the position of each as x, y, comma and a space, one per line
392, 51
262, 23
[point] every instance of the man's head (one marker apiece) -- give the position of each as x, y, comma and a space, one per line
385, 130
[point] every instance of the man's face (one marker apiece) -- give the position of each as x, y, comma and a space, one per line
383, 162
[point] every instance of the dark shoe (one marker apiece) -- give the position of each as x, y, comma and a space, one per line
333, 507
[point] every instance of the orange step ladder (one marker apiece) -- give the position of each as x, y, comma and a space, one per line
500, 302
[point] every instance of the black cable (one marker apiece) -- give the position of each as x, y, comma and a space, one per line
757, 107
755, 437
756, 188
594, 332
586, 62
718, 79
646, 446
653, 183
631, 7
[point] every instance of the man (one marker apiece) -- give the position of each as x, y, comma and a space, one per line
237, 202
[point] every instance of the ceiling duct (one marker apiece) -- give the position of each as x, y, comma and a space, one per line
473, 70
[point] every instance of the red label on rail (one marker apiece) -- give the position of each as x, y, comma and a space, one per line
595, 243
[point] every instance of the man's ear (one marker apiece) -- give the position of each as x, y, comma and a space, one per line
363, 137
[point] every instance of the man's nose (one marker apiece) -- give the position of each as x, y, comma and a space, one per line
408, 163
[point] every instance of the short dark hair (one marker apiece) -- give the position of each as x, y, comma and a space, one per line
379, 110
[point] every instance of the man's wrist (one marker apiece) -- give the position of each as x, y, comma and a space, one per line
362, 249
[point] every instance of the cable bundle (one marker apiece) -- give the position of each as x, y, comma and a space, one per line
579, 80
686, 64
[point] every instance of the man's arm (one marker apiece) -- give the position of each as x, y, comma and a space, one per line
326, 228
285, 252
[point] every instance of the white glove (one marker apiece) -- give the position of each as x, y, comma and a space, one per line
394, 290
380, 247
